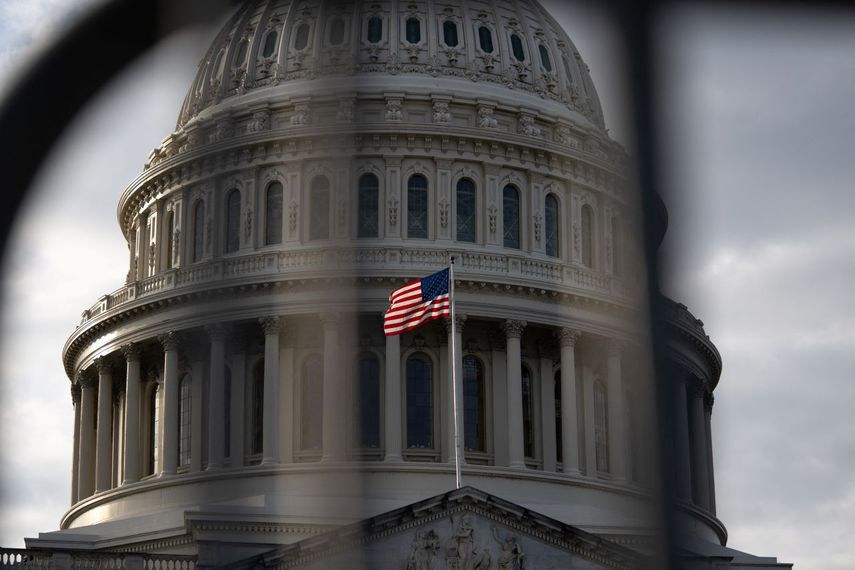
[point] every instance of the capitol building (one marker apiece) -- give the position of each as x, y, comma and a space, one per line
236, 403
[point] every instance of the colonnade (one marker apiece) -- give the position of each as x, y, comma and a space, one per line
579, 374
693, 445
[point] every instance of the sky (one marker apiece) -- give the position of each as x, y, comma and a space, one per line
757, 136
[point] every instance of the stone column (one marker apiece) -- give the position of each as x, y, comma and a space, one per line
75, 452
616, 412
548, 435
216, 397
393, 421
132, 413
708, 405
86, 456
516, 448
197, 395
104, 438
236, 448
681, 442
590, 430
700, 484
569, 422
270, 419
333, 394
500, 397
169, 433
457, 332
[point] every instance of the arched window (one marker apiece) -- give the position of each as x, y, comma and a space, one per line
337, 31
256, 410
528, 412
184, 404
558, 440
273, 214
319, 212
368, 204
153, 430
311, 433
601, 435
301, 37
551, 225
466, 211
485, 39
170, 238
449, 33
474, 436
198, 230
232, 221
511, 216
545, 60
367, 402
617, 254
269, 44
517, 48
587, 236
419, 402
374, 34
240, 54
413, 30
227, 412
417, 207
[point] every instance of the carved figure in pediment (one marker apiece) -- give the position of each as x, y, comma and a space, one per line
511, 555
423, 550
460, 553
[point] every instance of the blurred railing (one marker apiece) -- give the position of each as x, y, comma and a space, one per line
77, 560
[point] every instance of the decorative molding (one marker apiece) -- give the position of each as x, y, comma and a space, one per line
169, 341
132, 352
271, 325
513, 328
567, 337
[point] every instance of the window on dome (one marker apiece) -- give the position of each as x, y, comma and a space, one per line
485, 39
240, 54
375, 30
198, 230
559, 455
367, 402
545, 60
567, 70
419, 402
269, 43
449, 33
474, 436
311, 433
466, 210
184, 404
517, 48
301, 37
601, 435
273, 214
413, 30
232, 222
256, 410
617, 254
319, 208
227, 412
511, 217
368, 205
417, 207
587, 236
337, 31
170, 238
551, 225
528, 412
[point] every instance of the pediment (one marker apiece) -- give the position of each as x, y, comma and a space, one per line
465, 529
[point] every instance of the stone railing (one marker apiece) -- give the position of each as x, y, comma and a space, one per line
343, 260
78, 560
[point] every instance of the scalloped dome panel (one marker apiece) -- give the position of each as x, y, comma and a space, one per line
515, 43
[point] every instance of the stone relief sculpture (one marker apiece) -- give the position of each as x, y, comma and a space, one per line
460, 552
423, 550
510, 556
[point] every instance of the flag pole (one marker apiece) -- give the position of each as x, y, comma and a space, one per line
455, 403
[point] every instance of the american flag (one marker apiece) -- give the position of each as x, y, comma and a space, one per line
417, 302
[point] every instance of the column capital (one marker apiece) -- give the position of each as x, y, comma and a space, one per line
217, 332
132, 351
169, 340
459, 323
709, 400
329, 320
567, 337
86, 380
271, 325
513, 329
616, 346
696, 389
103, 365
75, 393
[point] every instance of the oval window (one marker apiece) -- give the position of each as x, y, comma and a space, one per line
544, 58
375, 30
449, 33
301, 38
517, 47
414, 30
269, 44
485, 39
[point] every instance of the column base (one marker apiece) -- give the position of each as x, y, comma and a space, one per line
572, 471
214, 467
393, 459
269, 461
518, 465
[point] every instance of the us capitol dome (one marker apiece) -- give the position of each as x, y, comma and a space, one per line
236, 401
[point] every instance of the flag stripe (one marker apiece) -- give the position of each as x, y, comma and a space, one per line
417, 302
